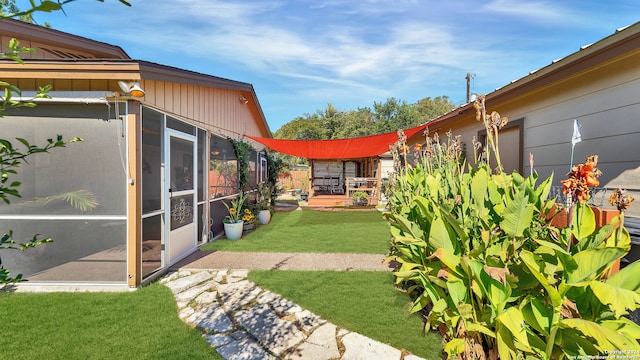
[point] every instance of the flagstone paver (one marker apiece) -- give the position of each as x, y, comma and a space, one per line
243, 321
358, 347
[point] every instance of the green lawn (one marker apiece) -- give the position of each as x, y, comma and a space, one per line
315, 232
362, 301
136, 325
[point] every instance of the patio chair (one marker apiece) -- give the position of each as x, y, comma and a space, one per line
339, 187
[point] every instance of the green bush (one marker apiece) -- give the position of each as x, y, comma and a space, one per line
360, 198
476, 253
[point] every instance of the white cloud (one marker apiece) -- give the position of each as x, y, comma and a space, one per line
354, 51
535, 10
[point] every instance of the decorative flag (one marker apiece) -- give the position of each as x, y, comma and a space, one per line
577, 137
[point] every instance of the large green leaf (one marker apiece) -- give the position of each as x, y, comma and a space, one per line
568, 263
454, 347
584, 220
517, 216
457, 292
504, 340
530, 262
409, 228
538, 315
424, 207
455, 225
420, 303
592, 263
620, 238
439, 236
619, 299
605, 338
573, 343
450, 260
496, 292
513, 320
475, 327
627, 278
479, 187
623, 326
433, 184
542, 192
597, 237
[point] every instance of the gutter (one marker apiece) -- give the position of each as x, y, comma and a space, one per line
81, 97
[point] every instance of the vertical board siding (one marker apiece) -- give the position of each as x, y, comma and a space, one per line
217, 110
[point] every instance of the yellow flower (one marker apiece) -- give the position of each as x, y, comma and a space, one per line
232, 211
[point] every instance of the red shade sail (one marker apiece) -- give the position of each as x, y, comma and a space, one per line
352, 148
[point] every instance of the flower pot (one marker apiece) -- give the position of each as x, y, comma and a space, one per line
233, 231
264, 216
248, 226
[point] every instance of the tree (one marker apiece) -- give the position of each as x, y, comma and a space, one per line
394, 114
10, 7
301, 128
11, 157
356, 123
331, 120
387, 116
429, 109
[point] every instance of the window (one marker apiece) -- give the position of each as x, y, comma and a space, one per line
264, 171
223, 168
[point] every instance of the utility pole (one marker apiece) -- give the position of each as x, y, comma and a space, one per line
469, 77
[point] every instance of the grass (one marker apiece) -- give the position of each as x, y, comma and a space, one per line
365, 302
138, 325
312, 231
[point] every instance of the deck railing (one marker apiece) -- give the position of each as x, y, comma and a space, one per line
368, 185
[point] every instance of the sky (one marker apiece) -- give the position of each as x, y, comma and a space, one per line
302, 55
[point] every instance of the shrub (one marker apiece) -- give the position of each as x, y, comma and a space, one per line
476, 253
360, 198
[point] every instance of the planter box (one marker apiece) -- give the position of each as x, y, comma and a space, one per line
602, 217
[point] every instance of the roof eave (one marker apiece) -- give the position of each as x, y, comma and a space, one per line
19, 29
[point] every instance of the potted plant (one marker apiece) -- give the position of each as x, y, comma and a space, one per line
360, 198
263, 205
249, 220
233, 224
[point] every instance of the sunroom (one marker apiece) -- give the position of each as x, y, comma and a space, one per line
145, 185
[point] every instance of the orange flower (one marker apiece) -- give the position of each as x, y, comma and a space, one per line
417, 147
581, 178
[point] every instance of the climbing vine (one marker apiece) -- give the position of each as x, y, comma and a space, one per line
243, 152
274, 166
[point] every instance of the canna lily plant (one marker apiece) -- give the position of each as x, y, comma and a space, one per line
474, 250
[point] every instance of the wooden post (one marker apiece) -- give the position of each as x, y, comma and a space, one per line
379, 179
134, 195
312, 171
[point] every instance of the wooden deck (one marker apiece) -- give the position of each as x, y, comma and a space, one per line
334, 200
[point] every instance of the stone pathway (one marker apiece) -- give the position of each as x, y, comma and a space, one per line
245, 322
